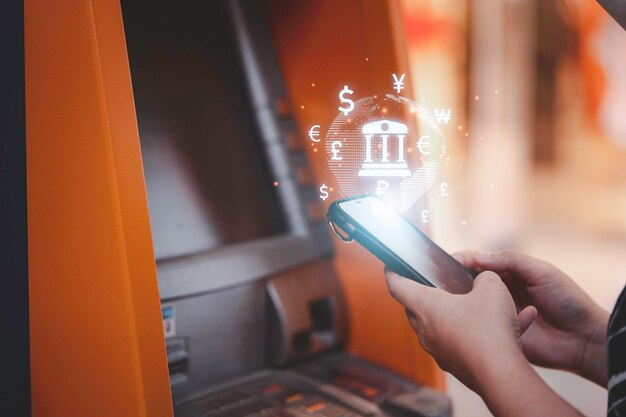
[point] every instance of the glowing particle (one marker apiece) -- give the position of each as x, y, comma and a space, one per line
275, 183
367, 59
476, 97
495, 91
464, 223
384, 110
315, 150
460, 127
312, 84
490, 185
302, 107
466, 134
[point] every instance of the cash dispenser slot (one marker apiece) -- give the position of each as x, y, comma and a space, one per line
308, 312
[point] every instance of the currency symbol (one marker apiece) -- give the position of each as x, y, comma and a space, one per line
425, 214
442, 115
335, 151
381, 187
313, 133
444, 189
382, 130
398, 84
346, 110
424, 145
324, 192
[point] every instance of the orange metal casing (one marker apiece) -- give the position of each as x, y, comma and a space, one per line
97, 346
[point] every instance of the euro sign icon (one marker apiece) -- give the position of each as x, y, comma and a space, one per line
334, 149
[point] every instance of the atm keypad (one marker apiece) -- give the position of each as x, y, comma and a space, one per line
267, 398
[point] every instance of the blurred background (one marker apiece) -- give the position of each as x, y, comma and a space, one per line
536, 146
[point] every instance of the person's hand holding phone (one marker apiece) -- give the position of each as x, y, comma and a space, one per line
476, 337
461, 332
570, 330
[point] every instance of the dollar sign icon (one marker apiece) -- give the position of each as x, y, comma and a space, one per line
324, 192
346, 110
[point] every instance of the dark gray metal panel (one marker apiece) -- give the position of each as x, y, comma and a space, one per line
225, 334
237, 265
15, 372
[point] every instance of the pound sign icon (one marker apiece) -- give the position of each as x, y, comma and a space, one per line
336, 144
425, 214
444, 189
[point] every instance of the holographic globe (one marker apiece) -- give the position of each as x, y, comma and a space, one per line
387, 146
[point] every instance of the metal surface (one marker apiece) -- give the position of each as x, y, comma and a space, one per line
293, 295
225, 335
239, 264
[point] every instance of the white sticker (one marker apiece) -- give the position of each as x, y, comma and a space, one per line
169, 320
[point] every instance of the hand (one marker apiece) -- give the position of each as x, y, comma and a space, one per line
464, 333
475, 337
570, 330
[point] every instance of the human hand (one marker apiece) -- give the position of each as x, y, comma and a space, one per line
570, 329
466, 334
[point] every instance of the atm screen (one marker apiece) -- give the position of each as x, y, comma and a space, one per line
208, 182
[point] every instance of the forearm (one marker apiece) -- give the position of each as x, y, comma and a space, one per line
512, 388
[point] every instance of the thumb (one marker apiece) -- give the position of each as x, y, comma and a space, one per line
486, 280
525, 318
408, 293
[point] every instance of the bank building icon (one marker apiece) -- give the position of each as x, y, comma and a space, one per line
380, 132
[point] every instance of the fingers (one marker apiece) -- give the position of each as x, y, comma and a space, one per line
487, 280
412, 319
468, 259
526, 268
408, 293
525, 318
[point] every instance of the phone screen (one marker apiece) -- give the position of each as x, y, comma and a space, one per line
408, 243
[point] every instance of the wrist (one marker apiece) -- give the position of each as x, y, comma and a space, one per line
511, 387
500, 368
593, 361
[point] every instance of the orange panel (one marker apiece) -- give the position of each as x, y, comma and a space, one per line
321, 46
97, 346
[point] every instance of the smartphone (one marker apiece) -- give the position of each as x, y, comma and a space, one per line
398, 243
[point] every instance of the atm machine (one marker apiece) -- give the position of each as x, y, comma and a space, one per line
254, 316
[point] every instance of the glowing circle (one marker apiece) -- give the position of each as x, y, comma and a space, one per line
369, 151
